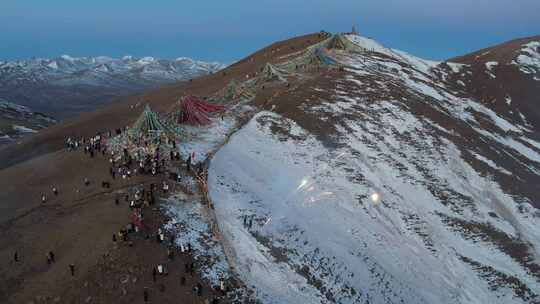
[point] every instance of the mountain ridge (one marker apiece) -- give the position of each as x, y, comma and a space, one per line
17, 121
368, 174
455, 177
64, 86
506, 77
507, 45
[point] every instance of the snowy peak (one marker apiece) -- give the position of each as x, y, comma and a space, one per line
506, 77
146, 60
66, 65
522, 53
184, 59
373, 46
368, 44
393, 180
67, 57
528, 58
504, 53
65, 85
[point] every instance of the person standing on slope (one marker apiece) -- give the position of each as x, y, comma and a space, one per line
188, 163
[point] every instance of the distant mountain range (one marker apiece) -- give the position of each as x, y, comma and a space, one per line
65, 86
17, 121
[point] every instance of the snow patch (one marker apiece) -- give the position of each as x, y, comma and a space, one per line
508, 100
491, 64
53, 65
528, 59
68, 58
23, 129
146, 60
456, 67
313, 217
490, 163
189, 223
205, 139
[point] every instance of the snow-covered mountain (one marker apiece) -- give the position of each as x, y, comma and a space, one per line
66, 85
17, 121
506, 78
393, 180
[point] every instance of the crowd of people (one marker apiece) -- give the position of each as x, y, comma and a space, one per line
90, 144
149, 159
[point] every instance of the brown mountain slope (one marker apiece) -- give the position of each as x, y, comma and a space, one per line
125, 110
458, 174
457, 180
504, 52
78, 224
499, 79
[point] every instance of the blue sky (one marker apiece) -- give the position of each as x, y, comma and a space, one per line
229, 30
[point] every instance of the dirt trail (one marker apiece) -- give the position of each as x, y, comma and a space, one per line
78, 228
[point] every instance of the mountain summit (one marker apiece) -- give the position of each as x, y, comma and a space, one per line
336, 170
388, 179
